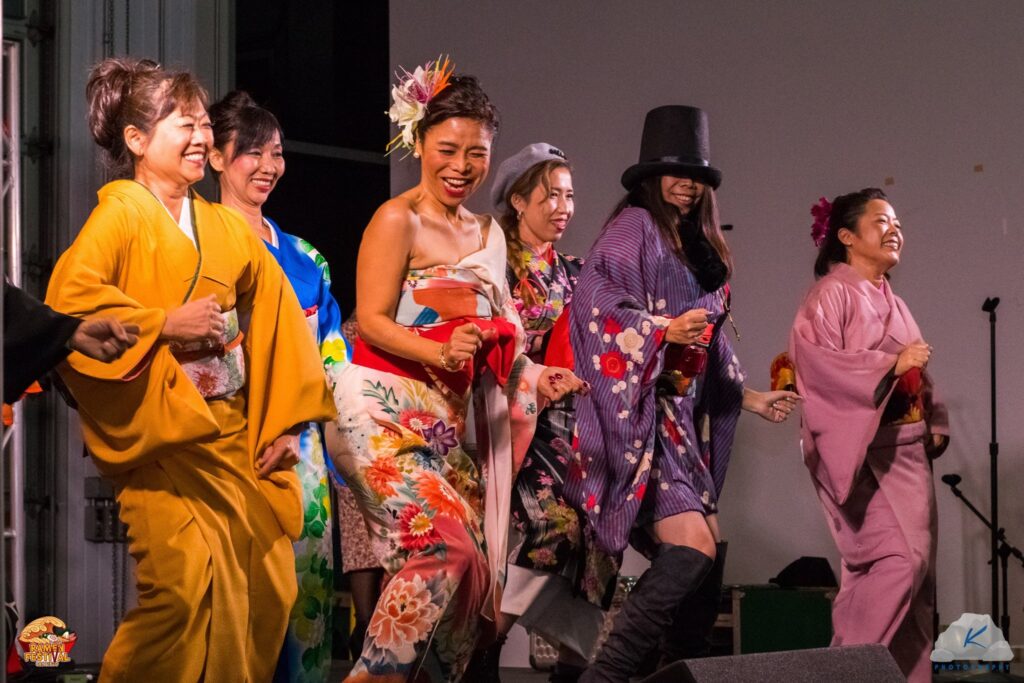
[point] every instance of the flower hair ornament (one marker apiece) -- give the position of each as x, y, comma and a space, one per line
411, 95
821, 212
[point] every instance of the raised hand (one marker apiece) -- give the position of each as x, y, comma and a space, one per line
913, 355
195, 321
103, 339
282, 454
687, 328
465, 341
556, 383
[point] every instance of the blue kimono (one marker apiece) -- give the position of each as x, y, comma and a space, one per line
307, 648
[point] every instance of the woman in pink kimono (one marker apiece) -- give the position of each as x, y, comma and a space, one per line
437, 333
870, 425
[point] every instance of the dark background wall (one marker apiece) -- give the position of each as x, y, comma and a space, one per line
322, 68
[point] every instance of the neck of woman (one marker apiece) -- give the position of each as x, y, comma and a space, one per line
252, 213
534, 243
171, 195
872, 272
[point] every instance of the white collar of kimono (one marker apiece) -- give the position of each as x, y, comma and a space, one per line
488, 264
274, 240
184, 220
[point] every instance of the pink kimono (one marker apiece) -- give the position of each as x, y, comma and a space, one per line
863, 435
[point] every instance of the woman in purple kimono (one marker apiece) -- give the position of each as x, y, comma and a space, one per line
870, 424
654, 435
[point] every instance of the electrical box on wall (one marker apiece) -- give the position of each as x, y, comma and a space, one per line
102, 513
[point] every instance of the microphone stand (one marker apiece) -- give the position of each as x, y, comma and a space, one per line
1003, 553
993, 451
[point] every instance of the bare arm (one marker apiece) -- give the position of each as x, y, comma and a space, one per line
384, 257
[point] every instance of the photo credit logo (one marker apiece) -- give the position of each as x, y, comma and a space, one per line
972, 637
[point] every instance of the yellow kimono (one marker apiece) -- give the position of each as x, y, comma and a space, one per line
216, 574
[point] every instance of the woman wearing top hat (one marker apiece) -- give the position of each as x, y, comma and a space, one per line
655, 433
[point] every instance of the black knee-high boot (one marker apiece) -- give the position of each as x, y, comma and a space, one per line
647, 613
690, 634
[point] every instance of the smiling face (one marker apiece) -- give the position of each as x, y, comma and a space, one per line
877, 241
682, 193
545, 214
174, 152
248, 176
455, 156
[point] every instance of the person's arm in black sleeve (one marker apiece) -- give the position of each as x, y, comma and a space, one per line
35, 340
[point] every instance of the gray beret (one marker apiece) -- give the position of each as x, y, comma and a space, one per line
513, 168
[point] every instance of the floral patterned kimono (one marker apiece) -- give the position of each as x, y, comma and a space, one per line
307, 648
437, 511
643, 455
558, 581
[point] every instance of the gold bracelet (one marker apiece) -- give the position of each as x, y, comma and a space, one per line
445, 365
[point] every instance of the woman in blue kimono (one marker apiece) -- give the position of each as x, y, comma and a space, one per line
248, 161
655, 433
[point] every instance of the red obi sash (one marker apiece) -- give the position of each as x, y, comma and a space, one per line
906, 404
497, 354
559, 347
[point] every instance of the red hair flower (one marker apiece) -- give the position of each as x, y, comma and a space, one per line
821, 212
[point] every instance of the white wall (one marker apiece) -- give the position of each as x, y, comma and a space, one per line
805, 99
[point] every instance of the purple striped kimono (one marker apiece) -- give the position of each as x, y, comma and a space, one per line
641, 456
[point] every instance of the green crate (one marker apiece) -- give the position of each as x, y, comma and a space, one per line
766, 618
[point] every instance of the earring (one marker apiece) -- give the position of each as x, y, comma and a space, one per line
415, 155
519, 216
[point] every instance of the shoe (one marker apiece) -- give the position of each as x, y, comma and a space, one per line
676, 572
689, 637
483, 666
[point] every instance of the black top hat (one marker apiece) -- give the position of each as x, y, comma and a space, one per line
675, 142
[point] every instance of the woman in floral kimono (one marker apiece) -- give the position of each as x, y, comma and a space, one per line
654, 435
248, 160
558, 582
870, 424
438, 331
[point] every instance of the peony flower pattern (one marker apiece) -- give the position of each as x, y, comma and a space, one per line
404, 616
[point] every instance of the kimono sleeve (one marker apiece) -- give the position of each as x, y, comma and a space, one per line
721, 402
85, 283
334, 349
844, 389
617, 338
285, 378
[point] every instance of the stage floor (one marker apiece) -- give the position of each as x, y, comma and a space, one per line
340, 668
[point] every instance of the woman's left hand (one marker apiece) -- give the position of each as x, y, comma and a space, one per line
774, 406
282, 454
557, 383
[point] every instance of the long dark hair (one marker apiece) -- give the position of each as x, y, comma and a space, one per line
695, 238
537, 175
846, 211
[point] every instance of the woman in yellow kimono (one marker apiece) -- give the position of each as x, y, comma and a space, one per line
196, 423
